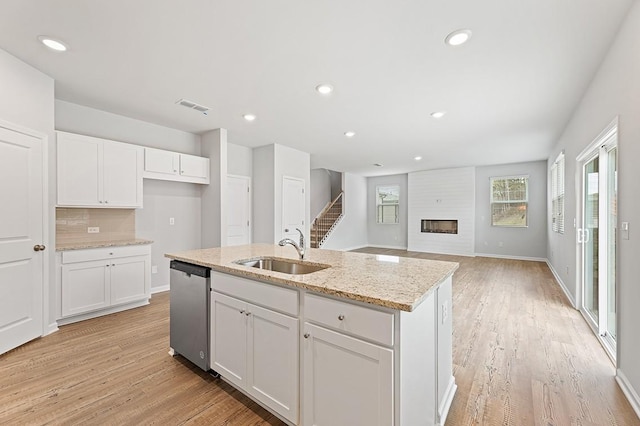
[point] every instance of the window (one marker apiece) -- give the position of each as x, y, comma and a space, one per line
509, 201
557, 195
388, 204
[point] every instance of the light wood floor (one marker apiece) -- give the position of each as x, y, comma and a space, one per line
522, 356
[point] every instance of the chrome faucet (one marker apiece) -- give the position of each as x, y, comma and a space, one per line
298, 246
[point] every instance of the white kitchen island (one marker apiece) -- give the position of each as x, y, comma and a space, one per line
366, 341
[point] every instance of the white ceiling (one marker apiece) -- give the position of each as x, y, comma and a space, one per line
508, 92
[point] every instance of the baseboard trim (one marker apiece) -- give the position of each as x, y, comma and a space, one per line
100, 313
506, 256
628, 391
445, 404
160, 289
387, 247
566, 292
51, 328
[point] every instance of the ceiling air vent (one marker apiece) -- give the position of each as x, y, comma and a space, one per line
192, 105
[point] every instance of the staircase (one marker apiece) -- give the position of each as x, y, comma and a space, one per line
325, 222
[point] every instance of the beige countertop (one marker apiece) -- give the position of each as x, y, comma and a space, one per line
393, 282
98, 244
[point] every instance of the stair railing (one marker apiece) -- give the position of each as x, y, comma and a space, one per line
327, 218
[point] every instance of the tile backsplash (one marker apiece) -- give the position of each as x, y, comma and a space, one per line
115, 225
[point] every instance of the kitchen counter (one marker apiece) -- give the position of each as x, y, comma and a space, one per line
388, 281
98, 244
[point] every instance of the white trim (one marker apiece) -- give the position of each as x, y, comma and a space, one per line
507, 256
603, 138
628, 391
160, 289
101, 313
571, 299
348, 248
445, 404
387, 247
50, 328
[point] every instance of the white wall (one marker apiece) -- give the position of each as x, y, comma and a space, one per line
385, 234
263, 194
239, 160
214, 213
351, 232
27, 100
162, 199
442, 194
615, 90
526, 243
320, 191
293, 163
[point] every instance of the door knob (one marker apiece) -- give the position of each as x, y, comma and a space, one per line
38, 247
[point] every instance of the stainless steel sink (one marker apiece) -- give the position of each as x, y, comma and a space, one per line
282, 265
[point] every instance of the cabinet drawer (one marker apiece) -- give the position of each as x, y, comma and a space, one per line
268, 295
72, 256
360, 321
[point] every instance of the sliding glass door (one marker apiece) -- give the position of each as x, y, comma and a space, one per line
597, 237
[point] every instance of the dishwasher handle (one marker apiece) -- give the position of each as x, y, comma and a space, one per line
190, 269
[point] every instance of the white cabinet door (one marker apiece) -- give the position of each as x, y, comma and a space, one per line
85, 287
95, 172
229, 338
346, 381
161, 161
122, 177
79, 170
129, 279
194, 166
272, 371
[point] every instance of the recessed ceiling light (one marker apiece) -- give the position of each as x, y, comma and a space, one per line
349, 134
53, 44
249, 117
458, 37
378, 165
324, 89
438, 114
418, 158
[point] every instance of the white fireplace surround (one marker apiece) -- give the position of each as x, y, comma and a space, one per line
442, 195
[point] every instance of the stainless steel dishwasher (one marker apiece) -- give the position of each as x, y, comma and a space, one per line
189, 312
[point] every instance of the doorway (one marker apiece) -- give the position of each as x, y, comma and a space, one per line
238, 210
597, 235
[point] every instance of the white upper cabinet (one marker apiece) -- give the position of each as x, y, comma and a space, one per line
95, 172
168, 165
161, 162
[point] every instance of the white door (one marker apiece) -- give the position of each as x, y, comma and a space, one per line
346, 381
597, 237
293, 207
238, 210
21, 238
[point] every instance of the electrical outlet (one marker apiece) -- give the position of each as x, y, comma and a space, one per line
154, 269
445, 311
172, 221
93, 230
500, 244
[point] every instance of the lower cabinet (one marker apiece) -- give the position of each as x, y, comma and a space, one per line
347, 363
96, 280
256, 349
347, 381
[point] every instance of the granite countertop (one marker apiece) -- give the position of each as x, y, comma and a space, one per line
98, 244
393, 282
